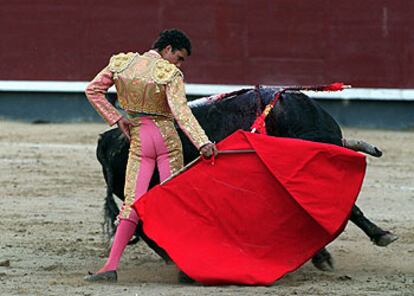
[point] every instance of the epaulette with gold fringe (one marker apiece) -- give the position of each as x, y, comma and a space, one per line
121, 61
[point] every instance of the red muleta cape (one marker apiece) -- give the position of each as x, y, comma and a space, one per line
252, 217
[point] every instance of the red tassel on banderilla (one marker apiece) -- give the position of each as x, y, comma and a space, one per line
259, 125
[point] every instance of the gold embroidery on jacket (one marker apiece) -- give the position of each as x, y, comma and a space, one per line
154, 86
138, 92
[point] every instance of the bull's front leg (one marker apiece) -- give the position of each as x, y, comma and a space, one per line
324, 261
377, 235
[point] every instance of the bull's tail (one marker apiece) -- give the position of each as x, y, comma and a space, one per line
111, 212
111, 209
362, 146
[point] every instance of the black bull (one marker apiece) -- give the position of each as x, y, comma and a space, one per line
295, 115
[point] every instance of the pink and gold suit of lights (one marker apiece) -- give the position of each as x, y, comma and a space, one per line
151, 91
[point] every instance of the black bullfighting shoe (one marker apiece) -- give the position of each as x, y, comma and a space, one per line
107, 276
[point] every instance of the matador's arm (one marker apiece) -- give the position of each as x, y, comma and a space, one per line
95, 92
178, 104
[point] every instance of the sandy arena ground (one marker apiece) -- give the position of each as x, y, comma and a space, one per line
51, 199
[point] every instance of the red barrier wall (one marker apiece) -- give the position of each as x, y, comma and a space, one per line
366, 43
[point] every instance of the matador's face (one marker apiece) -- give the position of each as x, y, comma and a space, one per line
176, 57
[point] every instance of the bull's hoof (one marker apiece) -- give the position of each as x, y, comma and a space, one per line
384, 239
323, 261
184, 279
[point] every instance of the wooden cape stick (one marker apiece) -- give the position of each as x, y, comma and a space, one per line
190, 164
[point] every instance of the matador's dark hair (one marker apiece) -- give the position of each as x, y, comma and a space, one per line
175, 38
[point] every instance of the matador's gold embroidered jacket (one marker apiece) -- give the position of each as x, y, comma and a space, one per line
145, 84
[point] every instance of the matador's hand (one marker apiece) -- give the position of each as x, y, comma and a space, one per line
124, 125
208, 150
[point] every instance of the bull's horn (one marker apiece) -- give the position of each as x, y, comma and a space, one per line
359, 145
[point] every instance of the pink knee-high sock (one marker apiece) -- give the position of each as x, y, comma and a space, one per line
124, 232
